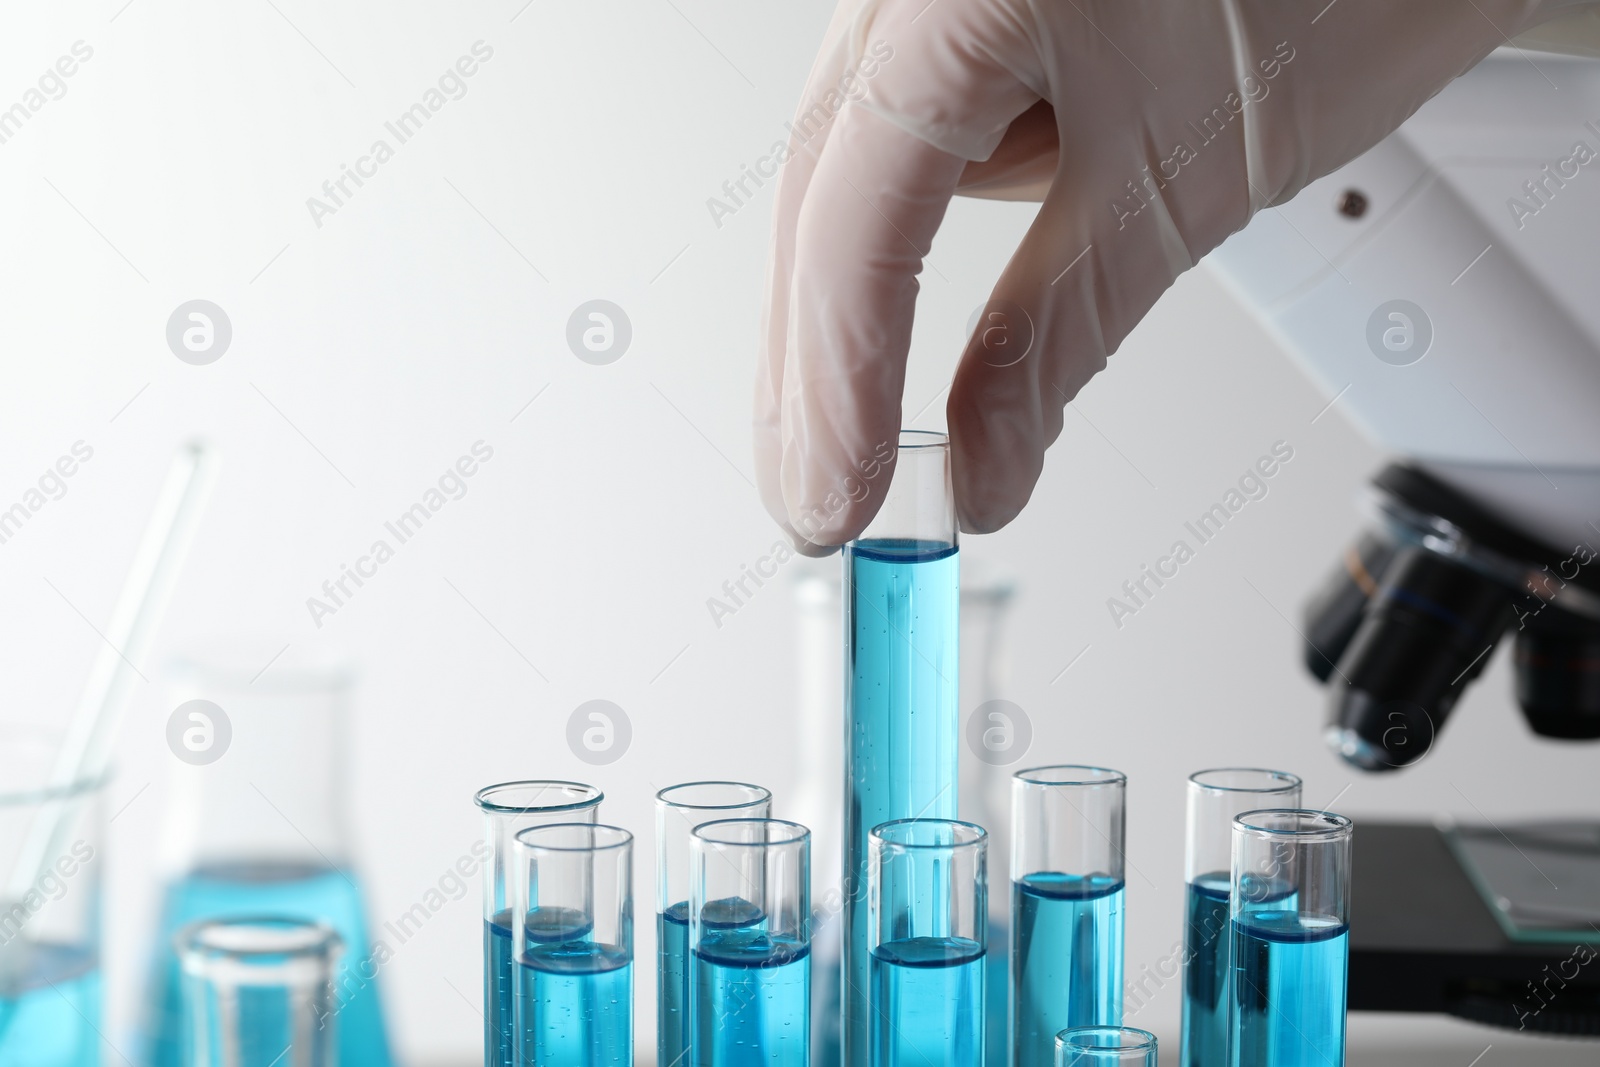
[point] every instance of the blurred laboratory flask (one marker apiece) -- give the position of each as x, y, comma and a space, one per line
818, 797
50, 924
256, 826
258, 992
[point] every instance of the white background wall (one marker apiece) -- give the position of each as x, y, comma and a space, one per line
371, 352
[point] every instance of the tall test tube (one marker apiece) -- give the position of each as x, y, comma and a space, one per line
574, 937
929, 924
1290, 911
679, 810
1215, 797
1105, 1046
750, 987
1067, 838
509, 808
901, 611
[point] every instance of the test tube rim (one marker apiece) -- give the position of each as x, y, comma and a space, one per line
326, 944
1289, 781
1336, 825
1108, 776
619, 837
914, 439
765, 796
481, 797
1146, 1041
981, 840
801, 838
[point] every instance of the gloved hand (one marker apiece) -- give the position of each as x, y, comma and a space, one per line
1151, 130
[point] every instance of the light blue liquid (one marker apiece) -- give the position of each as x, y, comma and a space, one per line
294, 891
49, 1011
499, 992
672, 969
752, 1000
902, 604
1205, 974
1066, 960
574, 996
927, 1003
672, 984
1289, 985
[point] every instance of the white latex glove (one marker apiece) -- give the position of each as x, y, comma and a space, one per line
1151, 130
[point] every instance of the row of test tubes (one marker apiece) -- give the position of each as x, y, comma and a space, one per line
1264, 950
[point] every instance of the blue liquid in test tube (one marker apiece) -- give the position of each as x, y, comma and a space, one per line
932, 989
750, 938
1069, 938
1215, 797
902, 610
574, 967
1289, 945
1067, 833
43, 1008
679, 810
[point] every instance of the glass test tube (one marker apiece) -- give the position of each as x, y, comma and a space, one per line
509, 808
574, 961
1103, 1046
750, 999
1067, 836
1215, 797
902, 608
929, 926
1290, 912
679, 809
258, 992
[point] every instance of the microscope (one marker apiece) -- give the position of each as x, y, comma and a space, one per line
1444, 291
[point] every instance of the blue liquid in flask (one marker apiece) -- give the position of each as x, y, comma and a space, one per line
1289, 974
291, 890
1205, 975
574, 996
1067, 961
927, 1003
752, 1003
49, 1009
902, 609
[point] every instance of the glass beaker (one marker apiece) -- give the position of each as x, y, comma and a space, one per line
255, 826
258, 992
50, 857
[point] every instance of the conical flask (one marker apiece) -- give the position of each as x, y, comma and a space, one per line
256, 826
